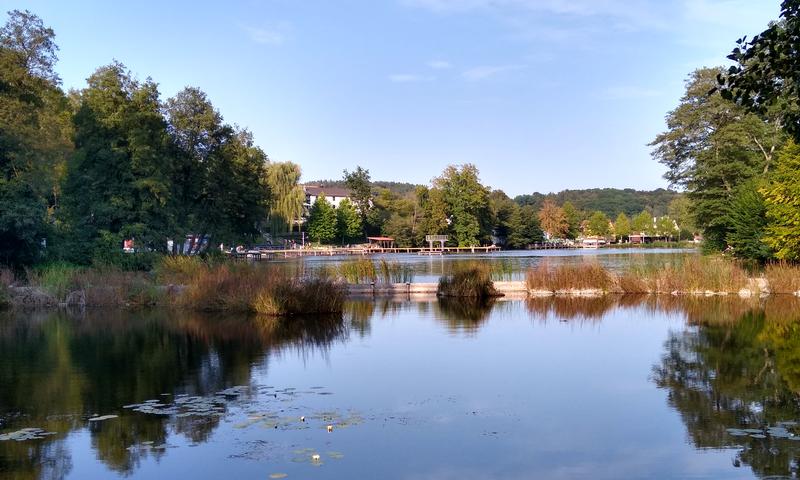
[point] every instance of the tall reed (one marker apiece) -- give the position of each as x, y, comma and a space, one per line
566, 277
782, 277
694, 274
251, 288
473, 279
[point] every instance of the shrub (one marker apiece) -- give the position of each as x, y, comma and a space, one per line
469, 280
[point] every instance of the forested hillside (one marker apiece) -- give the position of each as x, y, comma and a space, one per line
610, 201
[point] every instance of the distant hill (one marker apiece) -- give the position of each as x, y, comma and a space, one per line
610, 201
400, 188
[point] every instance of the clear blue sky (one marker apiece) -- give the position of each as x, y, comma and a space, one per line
541, 95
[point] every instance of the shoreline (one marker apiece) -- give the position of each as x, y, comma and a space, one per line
37, 297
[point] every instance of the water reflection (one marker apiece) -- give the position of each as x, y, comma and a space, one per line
730, 372
57, 369
727, 363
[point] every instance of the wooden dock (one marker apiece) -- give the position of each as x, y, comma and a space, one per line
269, 254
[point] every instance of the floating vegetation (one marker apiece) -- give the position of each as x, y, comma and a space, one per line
101, 418
26, 434
335, 455
187, 406
779, 430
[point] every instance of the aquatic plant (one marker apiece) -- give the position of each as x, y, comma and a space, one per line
364, 270
360, 270
783, 277
472, 279
251, 288
694, 274
56, 278
295, 297
588, 275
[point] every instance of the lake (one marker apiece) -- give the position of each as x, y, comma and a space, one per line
612, 387
506, 264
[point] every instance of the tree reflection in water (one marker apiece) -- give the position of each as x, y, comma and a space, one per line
58, 369
736, 364
742, 371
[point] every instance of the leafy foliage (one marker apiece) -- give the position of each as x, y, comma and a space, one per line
711, 146
322, 221
552, 219
782, 200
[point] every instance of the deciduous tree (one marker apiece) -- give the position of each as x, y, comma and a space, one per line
552, 220
322, 221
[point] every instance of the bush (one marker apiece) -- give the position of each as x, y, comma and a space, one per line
470, 280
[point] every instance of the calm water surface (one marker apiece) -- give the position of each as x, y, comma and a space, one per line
545, 388
507, 264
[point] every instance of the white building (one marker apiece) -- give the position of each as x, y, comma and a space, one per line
334, 195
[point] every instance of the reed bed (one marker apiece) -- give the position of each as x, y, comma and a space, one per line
472, 279
783, 277
248, 288
364, 270
569, 277
99, 286
693, 275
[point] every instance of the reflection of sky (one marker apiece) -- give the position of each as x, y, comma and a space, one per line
520, 397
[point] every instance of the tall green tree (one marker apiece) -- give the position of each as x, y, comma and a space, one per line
525, 228
574, 219
220, 175
467, 202
748, 222
504, 213
286, 196
782, 203
360, 185
622, 226
712, 145
598, 224
680, 209
321, 224
642, 224
35, 130
434, 217
118, 181
348, 221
